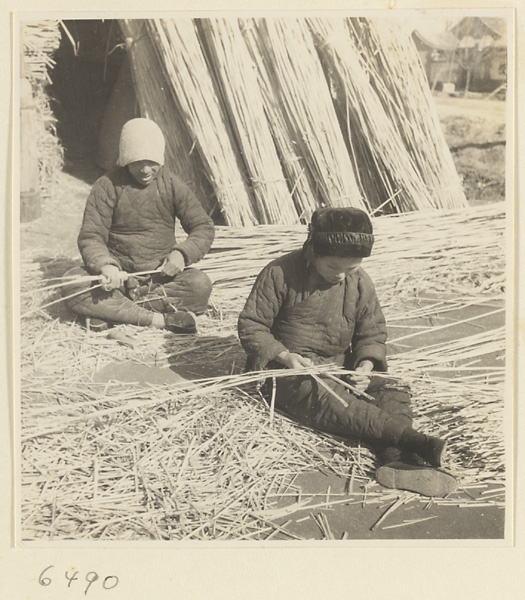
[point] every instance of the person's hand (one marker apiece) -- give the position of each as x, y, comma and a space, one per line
174, 264
293, 360
112, 277
360, 379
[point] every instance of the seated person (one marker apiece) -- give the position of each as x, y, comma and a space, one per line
129, 227
317, 306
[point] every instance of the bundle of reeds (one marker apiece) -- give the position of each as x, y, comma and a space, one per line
301, 90
382, 95
300, 179
238, 89
207, 459
187, 79
157, 103
401, 83
39, 41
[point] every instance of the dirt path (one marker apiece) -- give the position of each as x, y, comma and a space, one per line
489, 110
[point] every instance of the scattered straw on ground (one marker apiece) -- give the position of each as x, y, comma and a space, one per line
207, 461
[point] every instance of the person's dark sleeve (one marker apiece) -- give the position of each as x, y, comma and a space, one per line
96, 223
370, 333
258, 315
194, 220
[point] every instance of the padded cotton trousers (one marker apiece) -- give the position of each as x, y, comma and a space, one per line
380, 420
136, 302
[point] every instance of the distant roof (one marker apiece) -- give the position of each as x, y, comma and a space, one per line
441, 40
477, 27
499, 26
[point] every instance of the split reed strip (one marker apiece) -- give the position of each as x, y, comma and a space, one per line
403, 499
192, 87
301, 90
409, 522
239, 93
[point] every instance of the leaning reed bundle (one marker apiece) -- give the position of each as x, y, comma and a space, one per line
192, 88
156, 102
400, 82
297, 172
239, 91
300, 87
40, 40
394, 135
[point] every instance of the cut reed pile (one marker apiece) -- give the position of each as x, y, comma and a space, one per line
206, 460
40, 40
413, 253
382, 97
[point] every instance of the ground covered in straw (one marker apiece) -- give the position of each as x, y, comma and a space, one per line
141, 457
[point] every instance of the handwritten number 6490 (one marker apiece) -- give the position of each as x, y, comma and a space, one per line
109, 582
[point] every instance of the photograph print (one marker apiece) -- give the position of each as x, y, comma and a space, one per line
261, 278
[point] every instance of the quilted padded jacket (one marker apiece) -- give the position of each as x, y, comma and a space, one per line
288, 309
133, 227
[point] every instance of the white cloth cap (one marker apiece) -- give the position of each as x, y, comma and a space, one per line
141, 139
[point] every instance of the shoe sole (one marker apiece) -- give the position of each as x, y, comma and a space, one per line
183, 331
427, 482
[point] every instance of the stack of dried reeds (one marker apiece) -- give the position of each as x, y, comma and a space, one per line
413, 253
187, 80
289, 65
240, 94
207, 459
39, 41
253, 100
382, 96
157, 103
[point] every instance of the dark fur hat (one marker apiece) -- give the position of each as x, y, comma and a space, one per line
341, 232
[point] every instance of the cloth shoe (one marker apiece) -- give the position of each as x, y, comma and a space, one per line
422, 480
180, 322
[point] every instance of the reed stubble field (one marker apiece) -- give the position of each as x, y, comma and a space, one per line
115, 447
